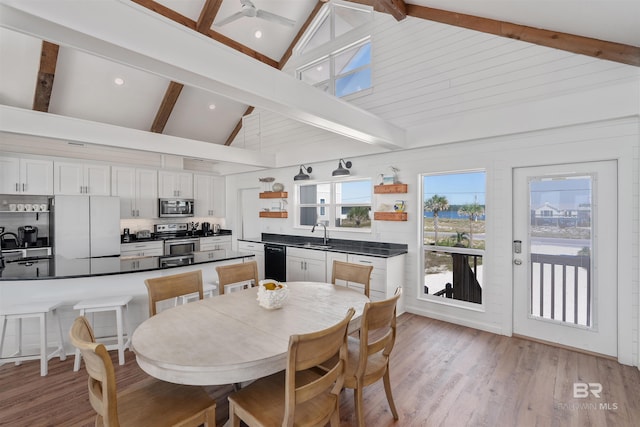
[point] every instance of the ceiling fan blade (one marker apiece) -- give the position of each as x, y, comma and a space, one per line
268, 16
229, 19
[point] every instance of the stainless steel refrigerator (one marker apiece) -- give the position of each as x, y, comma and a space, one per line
86, 226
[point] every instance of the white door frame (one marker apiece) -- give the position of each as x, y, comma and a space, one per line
602, 336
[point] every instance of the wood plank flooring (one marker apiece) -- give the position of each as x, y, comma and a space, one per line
442, 375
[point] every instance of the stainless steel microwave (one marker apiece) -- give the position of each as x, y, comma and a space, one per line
175, 208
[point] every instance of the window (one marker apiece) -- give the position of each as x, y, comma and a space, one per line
338, 61
348, 206
453, 236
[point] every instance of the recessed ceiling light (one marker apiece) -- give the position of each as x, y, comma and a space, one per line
319, 68
258, 34
212, 106
118, 81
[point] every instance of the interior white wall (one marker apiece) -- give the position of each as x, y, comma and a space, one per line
603, 140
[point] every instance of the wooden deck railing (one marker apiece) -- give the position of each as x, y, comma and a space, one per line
561, 288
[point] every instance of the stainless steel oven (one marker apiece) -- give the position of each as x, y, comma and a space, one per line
176, 261
178, 247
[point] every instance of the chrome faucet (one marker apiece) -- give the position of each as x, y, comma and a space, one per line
324, 239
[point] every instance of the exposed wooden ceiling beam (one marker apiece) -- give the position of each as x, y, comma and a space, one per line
236, 129
395, 8
166, 107
611, 51
46, 74
207, 15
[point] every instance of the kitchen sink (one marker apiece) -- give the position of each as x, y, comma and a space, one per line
314, 246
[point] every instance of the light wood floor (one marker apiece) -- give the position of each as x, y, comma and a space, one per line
442, 375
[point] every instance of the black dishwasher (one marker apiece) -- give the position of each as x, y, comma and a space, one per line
275, 262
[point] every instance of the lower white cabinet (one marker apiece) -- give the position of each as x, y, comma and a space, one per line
215, 243
386, 276
306, 265
155, 248
258, 250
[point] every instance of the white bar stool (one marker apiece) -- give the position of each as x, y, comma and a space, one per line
37, 309
118, 304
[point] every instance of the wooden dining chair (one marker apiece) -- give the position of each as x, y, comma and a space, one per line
237, 273
368, 354
301, 395
351, 272
174, 286
151, 403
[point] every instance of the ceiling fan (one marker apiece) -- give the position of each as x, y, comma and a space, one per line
250, 11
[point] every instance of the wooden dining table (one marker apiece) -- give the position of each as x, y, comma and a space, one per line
230, 339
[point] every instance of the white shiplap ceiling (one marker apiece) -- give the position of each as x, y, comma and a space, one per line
84, 88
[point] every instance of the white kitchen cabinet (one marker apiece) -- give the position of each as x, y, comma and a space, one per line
331, 256
386, 276
26, 176
306, 265
258, 250
138, 191
154, 248
209, 195
138, 263
175, 184
71, 178
215, 243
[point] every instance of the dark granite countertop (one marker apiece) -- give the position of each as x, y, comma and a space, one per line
57, 267
185, 235
356, 247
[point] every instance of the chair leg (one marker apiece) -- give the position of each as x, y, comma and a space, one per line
335, 417
43, 345
234, 420
358, 401
387, 390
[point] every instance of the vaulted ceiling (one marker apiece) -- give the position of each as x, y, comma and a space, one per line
42, 75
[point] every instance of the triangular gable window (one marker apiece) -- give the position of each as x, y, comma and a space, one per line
336, 58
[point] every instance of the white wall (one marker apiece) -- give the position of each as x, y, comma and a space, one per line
611, 139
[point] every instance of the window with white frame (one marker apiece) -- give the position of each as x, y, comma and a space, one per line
337, 57
453, 236
343, 204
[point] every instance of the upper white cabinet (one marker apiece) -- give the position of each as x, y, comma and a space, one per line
138, 191
82, 178
175, 184
305, 265
26, 176
209, 195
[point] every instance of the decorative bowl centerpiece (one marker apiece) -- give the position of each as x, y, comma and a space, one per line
272, 294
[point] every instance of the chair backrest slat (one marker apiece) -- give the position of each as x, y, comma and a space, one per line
236, 273
351, 272
102, 378
167, 287
310, 350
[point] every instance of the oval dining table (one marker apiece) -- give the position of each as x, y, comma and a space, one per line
230, 339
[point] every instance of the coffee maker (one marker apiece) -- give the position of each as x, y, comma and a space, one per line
206, 228
28, 235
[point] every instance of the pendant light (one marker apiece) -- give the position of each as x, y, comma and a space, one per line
302, 176
341, 171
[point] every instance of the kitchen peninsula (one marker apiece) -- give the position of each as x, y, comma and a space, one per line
71, 280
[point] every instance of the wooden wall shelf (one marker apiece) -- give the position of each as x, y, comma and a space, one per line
390, 216
390, 188
274, 195
264, 214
